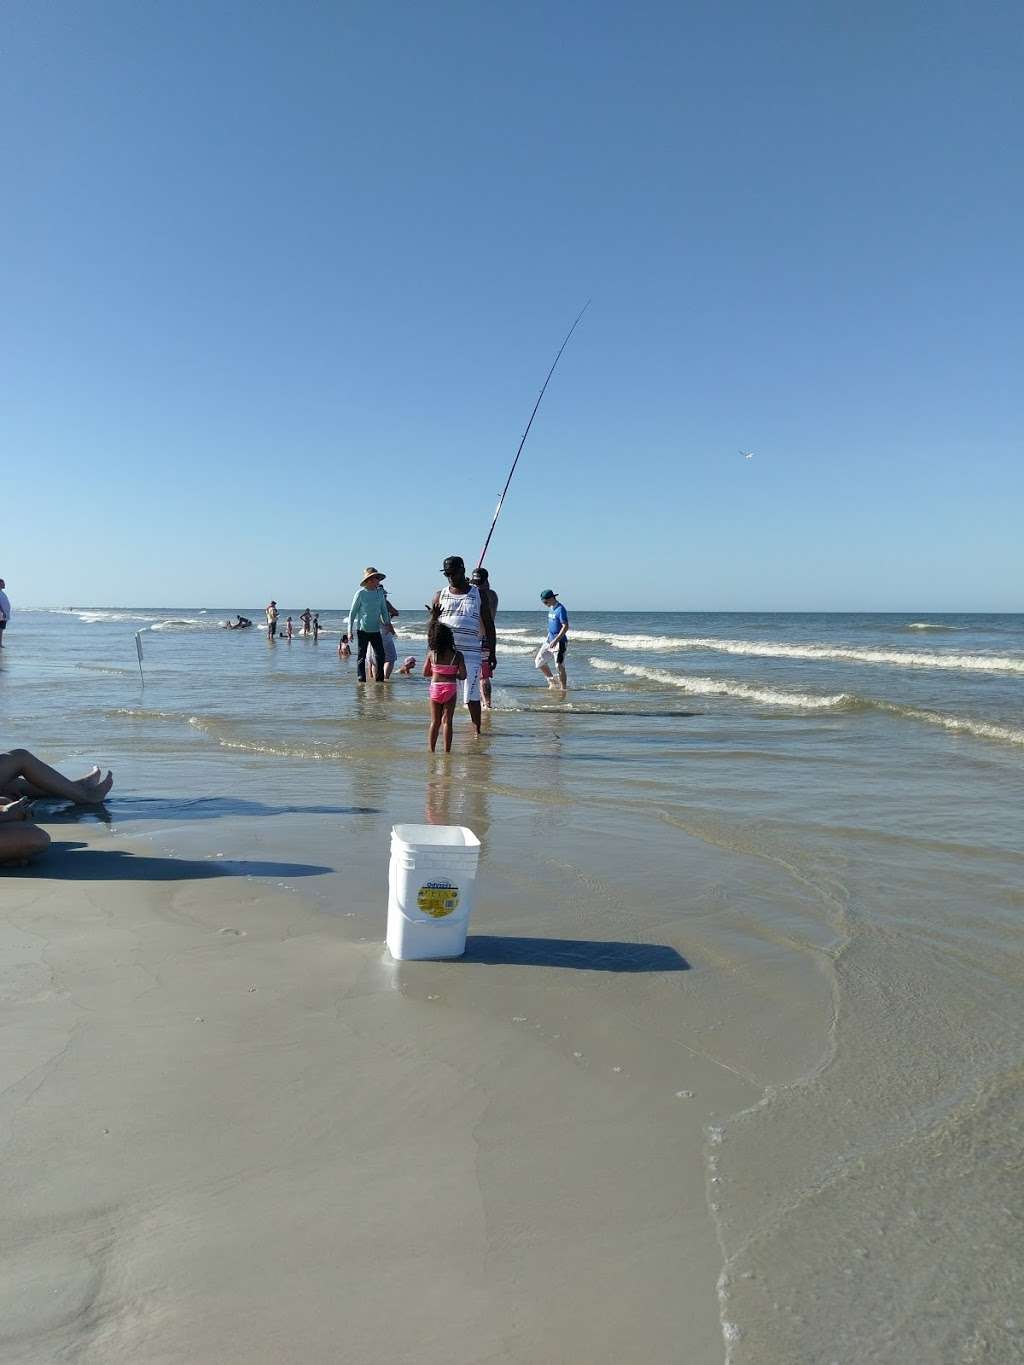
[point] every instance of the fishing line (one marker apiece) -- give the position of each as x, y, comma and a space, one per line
533, 414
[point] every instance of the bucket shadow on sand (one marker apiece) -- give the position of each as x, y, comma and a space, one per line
585, 955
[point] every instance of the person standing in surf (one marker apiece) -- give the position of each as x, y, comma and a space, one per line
367, 618
445, 667
481, 579
5, 610
552, 651
271, 619
389, 643
466, 611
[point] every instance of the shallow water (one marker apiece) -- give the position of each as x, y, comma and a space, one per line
856, 784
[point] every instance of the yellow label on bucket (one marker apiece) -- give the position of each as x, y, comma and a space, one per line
438, 898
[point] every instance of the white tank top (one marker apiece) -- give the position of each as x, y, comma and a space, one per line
460, 611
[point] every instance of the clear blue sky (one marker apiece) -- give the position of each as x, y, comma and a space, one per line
280, 283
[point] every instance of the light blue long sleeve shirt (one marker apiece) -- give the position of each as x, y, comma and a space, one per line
369, 611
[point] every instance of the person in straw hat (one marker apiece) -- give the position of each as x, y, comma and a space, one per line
367, 618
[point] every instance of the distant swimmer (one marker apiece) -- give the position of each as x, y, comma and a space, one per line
316, 626
289, 629
408, 664
271, 619
239, 623
306, 618
344, 648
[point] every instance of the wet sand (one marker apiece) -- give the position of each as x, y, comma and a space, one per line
231, 1134
731, 1071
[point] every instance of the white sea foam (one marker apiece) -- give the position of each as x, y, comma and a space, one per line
98, 617
766, 696
512, 646
927, 625
768, 649
725, 687
519, 636
964, 725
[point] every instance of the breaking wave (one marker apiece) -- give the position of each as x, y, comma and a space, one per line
99, 617
963, 725
899, 658
839, 701
723, 687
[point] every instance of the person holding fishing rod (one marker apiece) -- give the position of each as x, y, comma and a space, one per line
480, 578
466, 611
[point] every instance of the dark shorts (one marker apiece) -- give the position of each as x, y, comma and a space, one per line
272, 628
563, 642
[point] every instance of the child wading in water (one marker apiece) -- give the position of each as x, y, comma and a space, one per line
445, 667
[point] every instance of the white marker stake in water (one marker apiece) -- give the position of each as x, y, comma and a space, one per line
138, 650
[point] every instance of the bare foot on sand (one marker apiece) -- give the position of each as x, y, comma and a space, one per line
97, 791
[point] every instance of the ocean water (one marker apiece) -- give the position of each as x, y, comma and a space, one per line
822, 812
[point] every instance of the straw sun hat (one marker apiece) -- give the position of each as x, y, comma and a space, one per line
370, 572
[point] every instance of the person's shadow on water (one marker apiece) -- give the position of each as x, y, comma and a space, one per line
132, 808
69, 860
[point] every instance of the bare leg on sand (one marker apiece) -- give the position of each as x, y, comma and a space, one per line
41, 780
19, 840
19, 787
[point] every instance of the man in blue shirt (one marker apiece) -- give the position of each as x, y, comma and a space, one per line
553, 649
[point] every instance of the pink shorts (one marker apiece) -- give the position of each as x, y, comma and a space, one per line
443, 692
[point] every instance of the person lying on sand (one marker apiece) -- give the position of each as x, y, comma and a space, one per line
22, 774
19, 839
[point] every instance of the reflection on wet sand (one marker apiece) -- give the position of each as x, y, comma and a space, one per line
458, 791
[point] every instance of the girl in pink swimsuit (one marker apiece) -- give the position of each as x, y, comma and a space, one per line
445, 667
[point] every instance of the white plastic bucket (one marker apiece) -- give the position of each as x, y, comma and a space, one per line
431, 888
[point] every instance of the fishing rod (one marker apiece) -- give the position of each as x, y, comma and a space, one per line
533, 414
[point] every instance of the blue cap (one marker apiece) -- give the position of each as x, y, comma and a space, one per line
548, 592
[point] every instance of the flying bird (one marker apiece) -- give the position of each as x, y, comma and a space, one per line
747, 454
